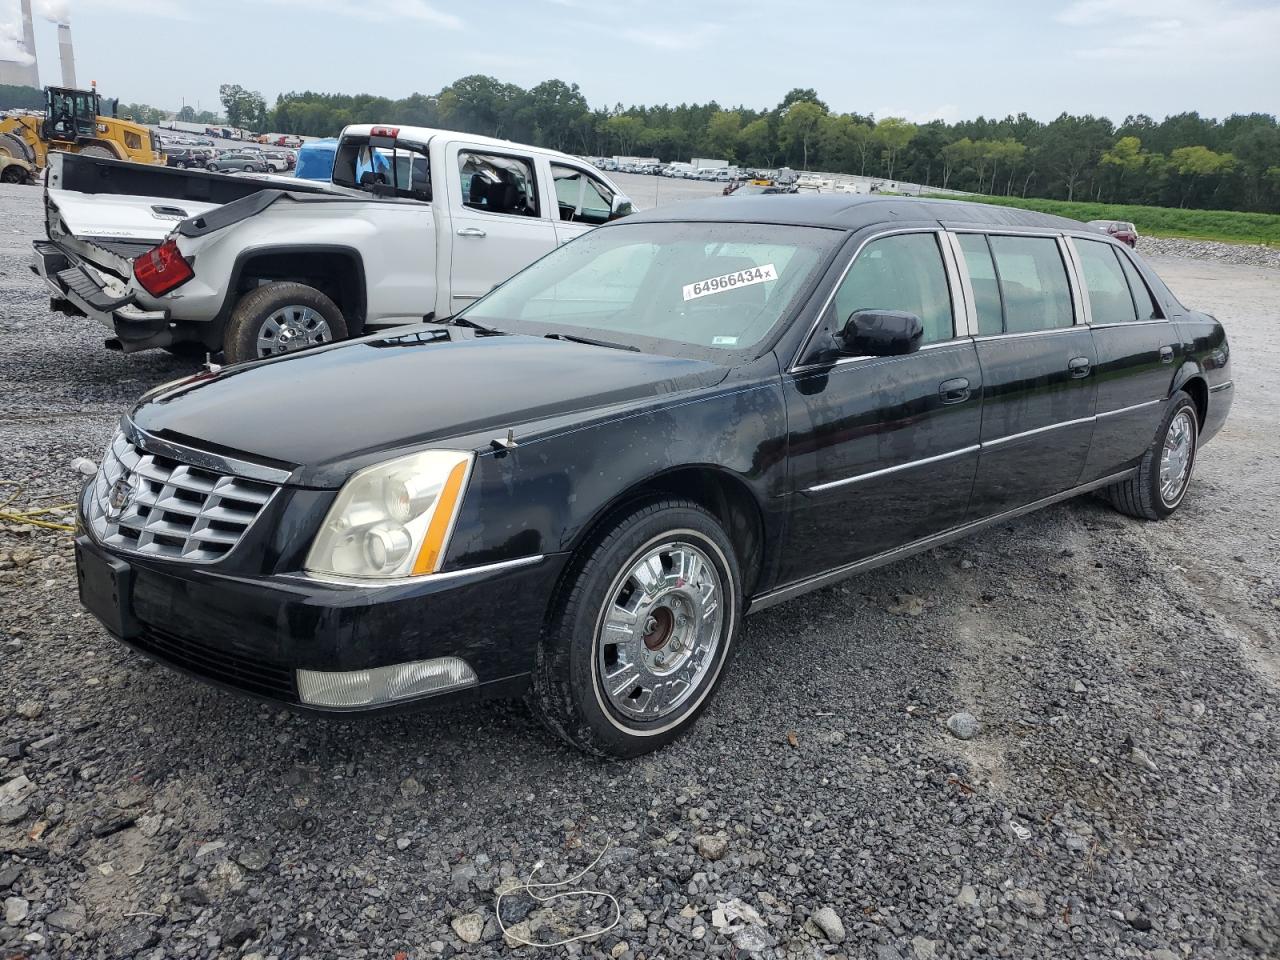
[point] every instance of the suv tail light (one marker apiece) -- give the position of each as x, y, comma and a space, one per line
162, 268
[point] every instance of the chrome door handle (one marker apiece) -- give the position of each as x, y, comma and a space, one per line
471, 232
1079, 367
954, 391
1166, 354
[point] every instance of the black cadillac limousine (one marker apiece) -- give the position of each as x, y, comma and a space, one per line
575, 489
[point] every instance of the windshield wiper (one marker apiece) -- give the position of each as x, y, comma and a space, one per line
464, 322
573, 338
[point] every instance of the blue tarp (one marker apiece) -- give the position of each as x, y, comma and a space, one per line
315, 159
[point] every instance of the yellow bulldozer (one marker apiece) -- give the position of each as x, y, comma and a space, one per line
75, 121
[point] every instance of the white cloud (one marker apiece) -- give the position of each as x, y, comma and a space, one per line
672, 40
55, 11
11, 50
1172, 34
380, 11
156, 9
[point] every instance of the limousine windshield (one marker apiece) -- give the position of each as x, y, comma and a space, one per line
676, 288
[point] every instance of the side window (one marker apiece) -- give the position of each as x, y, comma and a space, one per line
1109, 298
1033, 283
903, 272
1148, 309
581, 197
982, 278
498, 183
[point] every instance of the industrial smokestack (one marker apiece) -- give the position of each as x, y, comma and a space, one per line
67, 55
29, 42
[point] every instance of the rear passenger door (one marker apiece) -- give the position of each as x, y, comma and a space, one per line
882, 449
1137, 349
1038, 359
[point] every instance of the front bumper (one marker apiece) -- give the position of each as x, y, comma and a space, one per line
76, 290
251, 634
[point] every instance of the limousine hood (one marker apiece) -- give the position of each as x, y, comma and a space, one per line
341, 404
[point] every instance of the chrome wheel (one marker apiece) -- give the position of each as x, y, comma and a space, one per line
1177, 457
292, 328
661, 630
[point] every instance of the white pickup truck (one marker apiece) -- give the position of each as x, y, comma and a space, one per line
415, 224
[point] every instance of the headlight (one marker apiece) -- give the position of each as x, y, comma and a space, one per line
394, 519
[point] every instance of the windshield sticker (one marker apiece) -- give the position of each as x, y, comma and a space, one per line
724, 341
730, 281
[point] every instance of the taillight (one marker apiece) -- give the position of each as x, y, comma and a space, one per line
161, 269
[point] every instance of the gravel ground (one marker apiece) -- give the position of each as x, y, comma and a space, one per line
1117, 795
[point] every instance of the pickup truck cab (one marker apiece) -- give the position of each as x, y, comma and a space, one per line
414, 224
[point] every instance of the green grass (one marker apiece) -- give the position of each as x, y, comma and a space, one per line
1227, 226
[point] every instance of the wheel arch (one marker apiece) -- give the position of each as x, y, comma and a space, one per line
1191, 380
721, 492
334, 269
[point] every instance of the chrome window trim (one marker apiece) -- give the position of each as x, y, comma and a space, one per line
1051, 331
959, 305
1219, 387
966, 285
1127, 323
840, 362
1075, 282
371, 584
794, 365
827, 578
202, 458
819, 488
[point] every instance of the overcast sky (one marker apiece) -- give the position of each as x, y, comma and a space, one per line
921, 59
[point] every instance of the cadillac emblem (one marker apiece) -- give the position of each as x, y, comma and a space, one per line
118, 498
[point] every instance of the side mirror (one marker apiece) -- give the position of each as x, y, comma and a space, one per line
880, 333
621, 206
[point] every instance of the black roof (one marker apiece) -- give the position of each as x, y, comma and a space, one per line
852, 212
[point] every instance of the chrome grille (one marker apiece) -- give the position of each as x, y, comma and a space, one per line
154, 505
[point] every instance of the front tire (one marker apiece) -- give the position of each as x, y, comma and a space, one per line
1160, 484
279, 318
640, 631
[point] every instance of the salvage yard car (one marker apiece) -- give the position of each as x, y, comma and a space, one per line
575, 489
414, 223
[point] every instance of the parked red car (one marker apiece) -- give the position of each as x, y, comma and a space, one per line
1122, 230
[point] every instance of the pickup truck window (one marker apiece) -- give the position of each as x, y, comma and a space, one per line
498, 183
400, 171
581, 197
682, 289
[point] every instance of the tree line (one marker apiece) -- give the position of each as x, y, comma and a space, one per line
1184, 160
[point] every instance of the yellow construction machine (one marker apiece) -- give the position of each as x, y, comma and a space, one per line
74, 121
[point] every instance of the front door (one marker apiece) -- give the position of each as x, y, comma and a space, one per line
583, 201
882, 449
499, 222
1038, 371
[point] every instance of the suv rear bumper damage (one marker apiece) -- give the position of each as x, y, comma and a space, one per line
75, 290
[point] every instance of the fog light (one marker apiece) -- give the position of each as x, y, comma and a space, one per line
367, 688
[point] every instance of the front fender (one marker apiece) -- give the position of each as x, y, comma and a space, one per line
543, 495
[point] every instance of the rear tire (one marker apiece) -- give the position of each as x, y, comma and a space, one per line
98, 152
1160, 484
281, 317
641, 631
